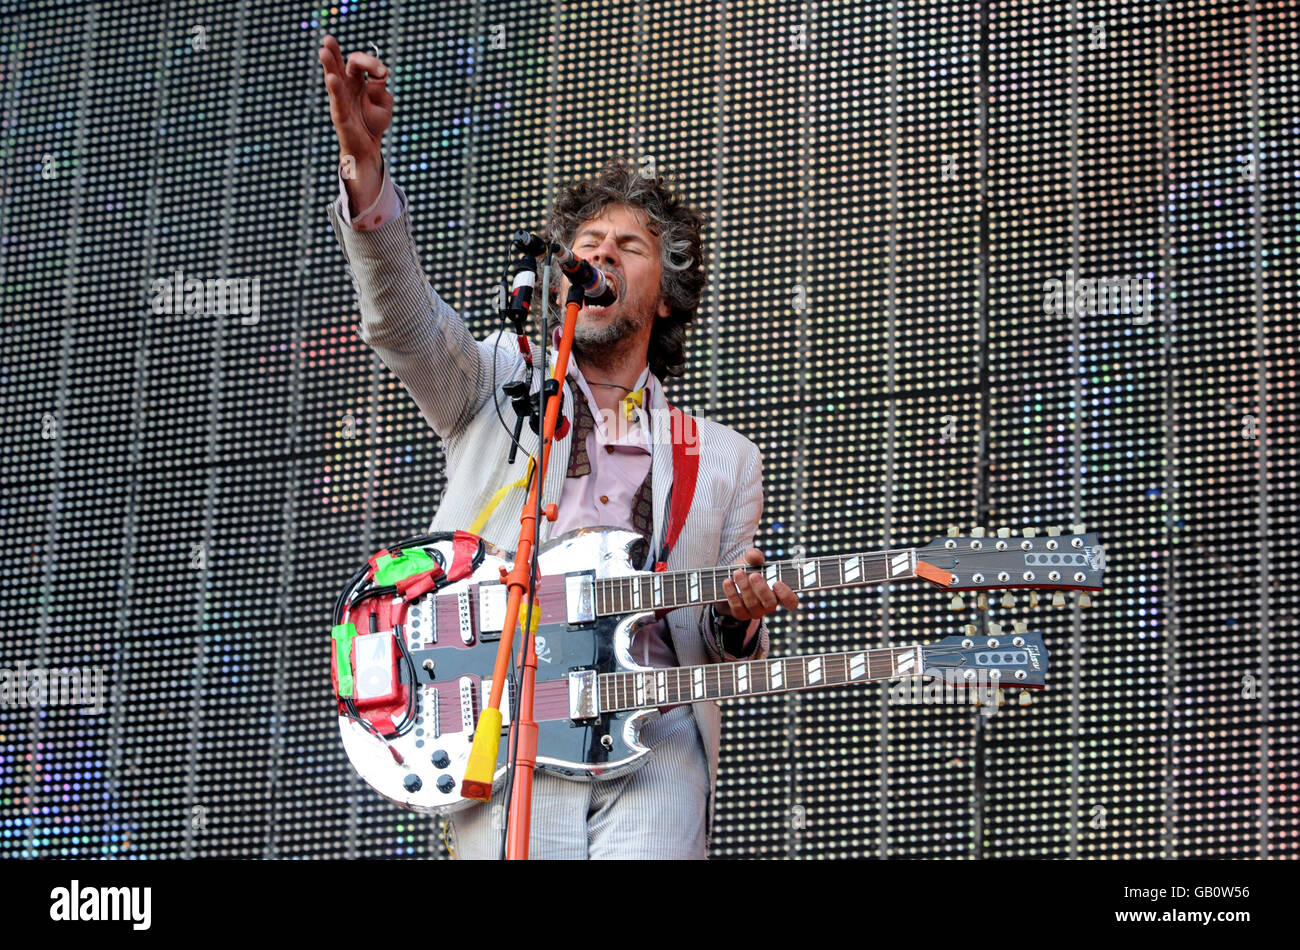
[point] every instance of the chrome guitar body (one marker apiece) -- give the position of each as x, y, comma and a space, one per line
452, 636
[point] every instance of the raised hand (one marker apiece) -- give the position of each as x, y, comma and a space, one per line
361, 109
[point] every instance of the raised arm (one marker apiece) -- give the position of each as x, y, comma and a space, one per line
417, 335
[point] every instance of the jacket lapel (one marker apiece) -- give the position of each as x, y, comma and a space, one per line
661, 465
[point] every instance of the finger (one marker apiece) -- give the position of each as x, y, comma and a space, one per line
734, 601
766, 598
331, 56
359, 63
754, 557
379, 95
748, 595
789, 599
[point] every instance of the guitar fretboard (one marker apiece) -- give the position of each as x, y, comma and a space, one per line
672, 589
683, 684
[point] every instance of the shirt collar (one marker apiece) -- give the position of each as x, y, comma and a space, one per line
637, 434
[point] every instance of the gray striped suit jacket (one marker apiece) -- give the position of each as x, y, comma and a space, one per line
450, 376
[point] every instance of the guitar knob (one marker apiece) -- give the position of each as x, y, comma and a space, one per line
1025, 698
441, 759
412, 782
446, 784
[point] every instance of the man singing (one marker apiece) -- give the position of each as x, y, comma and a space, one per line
637, 230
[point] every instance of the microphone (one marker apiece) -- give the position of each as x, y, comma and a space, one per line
597, 286
525, 242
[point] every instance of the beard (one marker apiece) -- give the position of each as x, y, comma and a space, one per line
604, 346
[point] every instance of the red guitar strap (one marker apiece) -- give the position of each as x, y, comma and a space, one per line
686, 468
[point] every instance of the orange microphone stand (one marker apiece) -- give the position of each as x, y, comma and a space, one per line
481, 767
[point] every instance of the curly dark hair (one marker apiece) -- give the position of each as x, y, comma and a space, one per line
678, 226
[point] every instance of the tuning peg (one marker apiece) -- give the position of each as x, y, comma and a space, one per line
1053, 532
1085, 599
1020, 627
969, 629
977, 532
956, 603
1030, 532
1025, 698
954, 531
1058, 599
1078, 529
1004, 532
1002, 697
995, 628
982, 601
1008, 599
1033, 598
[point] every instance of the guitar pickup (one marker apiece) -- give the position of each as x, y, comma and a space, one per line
492, 598
584, 700
580, 598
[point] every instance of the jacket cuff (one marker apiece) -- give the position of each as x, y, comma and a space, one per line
730, 633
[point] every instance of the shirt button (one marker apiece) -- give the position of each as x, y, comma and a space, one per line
604, 499
609, 449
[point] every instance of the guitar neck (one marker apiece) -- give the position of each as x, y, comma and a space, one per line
685, 684
669, 590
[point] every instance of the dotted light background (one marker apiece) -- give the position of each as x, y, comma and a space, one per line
889, 188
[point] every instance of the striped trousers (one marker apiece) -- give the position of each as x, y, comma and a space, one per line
659, 811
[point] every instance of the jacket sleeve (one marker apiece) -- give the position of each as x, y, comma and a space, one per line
737, 537
417, 334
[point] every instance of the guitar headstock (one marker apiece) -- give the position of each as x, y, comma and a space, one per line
1007, 660
983, 561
